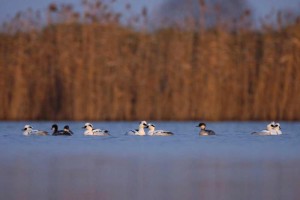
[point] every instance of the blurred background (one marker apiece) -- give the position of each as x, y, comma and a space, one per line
154, 60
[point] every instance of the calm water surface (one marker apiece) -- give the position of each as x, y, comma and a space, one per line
231, 165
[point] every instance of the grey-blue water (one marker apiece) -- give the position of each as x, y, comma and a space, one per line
231, 165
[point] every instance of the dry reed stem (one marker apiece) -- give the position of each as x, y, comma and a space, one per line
101, 70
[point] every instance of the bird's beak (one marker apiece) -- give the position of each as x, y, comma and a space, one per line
84, 127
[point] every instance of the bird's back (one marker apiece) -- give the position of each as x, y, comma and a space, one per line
263, 132
132, 132
101, 132
41, 133
207, 132
162, 133
61, 133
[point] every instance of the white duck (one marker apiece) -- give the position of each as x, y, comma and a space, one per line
140, 131
28, 130
96, 132
272, 129
153, 132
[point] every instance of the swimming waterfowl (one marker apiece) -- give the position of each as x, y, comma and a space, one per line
67, 130
154, 132
91, 131
276, 129
57, 132
203, 130
272, 129
28, 130
140, 131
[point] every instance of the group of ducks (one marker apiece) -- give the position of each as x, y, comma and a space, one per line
272, 129
28, 130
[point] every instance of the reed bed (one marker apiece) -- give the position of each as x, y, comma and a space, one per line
90, 66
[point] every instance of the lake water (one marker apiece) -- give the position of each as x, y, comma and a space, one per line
231, 165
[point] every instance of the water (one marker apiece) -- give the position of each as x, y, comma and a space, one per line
231, 165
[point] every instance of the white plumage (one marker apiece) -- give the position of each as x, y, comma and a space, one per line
140, 131
96, 132
153, 132
28, 130
272, 129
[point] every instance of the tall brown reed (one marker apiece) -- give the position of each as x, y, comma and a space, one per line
91, 67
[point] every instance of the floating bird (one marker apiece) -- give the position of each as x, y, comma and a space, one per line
57, 132
28, 130
154, 132
97, 132
140, 131
272, 129
203, 131
67, 130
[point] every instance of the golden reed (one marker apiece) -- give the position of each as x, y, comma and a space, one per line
89, 67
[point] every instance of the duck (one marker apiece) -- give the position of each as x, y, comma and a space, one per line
57, 132
272, 129
96, 132
203, 130
276, 129
140, 131
67, 130
153, 132
28, 130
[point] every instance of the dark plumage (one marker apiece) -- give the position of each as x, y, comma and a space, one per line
67, 130
203, 130
57, 132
